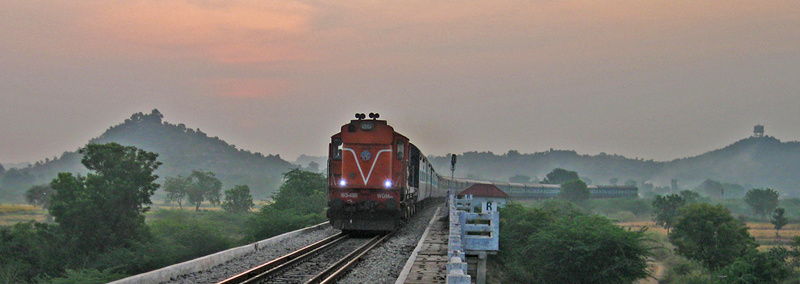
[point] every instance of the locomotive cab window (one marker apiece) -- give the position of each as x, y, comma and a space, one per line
336, 149
401, 149
367, 126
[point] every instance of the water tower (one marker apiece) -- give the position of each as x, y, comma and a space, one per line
758, 131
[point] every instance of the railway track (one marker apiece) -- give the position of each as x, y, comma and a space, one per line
320, 262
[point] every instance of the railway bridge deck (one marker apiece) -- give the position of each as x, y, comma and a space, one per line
454, 247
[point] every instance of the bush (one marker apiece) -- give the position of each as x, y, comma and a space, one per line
86, 276
622, 216
192, 236
542, 246
141, 257
609, 207
300, 202
270, 222
757, 267
31, 249
682, 270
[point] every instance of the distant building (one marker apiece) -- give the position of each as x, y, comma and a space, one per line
758, 131
480, 194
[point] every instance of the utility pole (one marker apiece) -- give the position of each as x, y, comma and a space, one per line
452, 177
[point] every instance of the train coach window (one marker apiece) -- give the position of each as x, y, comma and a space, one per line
401, 149
336, 149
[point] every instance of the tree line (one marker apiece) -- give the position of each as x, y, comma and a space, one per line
537, 246
722, 244
99, 234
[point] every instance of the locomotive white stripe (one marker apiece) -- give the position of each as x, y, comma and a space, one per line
374, 161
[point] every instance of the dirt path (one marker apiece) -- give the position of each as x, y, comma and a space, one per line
657, 271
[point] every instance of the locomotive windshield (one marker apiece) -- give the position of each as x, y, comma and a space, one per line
336, 149
401, 149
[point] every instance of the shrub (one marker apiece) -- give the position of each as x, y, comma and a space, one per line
542, 246
193, 236
86, 276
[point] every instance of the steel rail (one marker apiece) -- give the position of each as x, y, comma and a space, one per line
277, 264
338, 269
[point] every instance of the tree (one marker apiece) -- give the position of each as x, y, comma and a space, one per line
779, 220
106, 207
758, 267
574, 190
559, 176
300, 201
238, 199
762, 201
313, 167
520, 179
542, 246
39, 195
710, 234
204, 186
689, 196
177, 188
302, 191
666, 208
16, 180
712, 188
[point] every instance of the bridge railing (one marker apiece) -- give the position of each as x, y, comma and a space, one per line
470, 234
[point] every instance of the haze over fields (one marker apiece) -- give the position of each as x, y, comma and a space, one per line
650, 79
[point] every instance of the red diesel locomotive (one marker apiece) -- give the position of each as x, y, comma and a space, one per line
376, 178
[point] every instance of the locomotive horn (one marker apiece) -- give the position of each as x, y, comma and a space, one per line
372, 115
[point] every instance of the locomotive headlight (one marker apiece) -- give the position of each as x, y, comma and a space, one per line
342, 183
387, 183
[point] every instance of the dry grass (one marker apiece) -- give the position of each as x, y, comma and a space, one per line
652, 227
11, 214
763, 232
11, 208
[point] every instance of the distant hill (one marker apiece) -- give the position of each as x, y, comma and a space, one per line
753, 162
180, 149
597, 169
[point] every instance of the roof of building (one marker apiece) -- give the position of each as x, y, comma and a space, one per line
484, 190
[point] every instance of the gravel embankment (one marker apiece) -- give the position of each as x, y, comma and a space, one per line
384, 263
381, 265
239, 265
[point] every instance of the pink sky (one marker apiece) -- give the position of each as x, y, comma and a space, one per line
650, 79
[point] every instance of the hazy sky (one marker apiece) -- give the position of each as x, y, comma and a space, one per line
650, 79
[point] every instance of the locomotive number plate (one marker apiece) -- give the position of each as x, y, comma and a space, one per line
384, 195
349, 194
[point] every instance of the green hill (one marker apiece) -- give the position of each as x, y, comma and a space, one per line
180, 149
